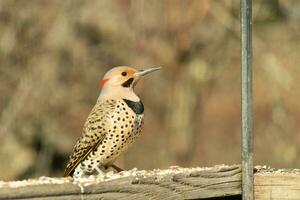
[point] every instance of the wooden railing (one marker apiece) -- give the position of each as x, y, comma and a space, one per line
222, 181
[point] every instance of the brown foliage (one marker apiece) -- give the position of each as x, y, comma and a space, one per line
53, 54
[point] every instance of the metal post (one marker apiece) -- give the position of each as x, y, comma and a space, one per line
246, 72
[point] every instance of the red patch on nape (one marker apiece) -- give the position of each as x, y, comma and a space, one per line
103, 82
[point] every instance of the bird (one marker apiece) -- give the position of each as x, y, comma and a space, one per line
112, 125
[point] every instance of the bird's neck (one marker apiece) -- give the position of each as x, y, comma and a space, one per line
118, 93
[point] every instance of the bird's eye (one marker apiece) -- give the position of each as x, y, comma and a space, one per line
124, 74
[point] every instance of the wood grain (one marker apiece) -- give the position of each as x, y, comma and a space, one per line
220, 181
277, 186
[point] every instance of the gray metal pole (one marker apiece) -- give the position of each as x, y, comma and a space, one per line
246, 68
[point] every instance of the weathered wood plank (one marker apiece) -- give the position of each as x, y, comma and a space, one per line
197, 183
277, 186
176, 183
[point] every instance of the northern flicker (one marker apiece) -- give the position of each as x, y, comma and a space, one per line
113, 124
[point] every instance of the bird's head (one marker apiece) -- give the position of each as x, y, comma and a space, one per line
120, 81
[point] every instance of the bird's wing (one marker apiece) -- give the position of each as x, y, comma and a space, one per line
94, 131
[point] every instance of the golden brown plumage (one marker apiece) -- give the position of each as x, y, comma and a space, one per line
113, 124
93, 134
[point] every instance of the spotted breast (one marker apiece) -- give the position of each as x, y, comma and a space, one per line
110, 129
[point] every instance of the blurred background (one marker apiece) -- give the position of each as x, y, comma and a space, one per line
53, 55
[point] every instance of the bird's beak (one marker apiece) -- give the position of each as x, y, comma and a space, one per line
143, 72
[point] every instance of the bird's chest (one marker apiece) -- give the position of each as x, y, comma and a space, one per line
127, 123
125, 126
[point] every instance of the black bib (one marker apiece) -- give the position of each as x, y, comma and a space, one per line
137, 107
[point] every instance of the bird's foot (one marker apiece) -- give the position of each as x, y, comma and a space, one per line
118, 169
100, 172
